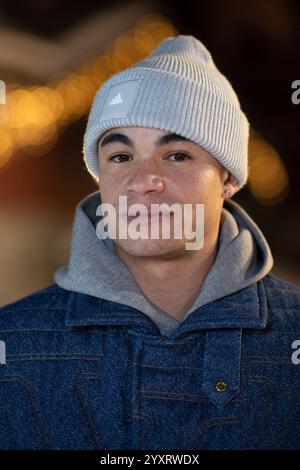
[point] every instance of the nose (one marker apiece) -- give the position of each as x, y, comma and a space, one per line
143, 182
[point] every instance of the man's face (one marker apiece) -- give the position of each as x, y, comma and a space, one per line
149, 167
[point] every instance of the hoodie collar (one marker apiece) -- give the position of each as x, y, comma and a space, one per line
243, 309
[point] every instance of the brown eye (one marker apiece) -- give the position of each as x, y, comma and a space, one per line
179, 157
120, 158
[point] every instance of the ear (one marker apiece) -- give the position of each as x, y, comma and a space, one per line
230, 185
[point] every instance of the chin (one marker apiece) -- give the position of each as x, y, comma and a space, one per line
145, 248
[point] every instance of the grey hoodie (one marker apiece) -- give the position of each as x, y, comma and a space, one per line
243, 257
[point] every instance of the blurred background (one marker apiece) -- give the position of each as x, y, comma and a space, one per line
55, 54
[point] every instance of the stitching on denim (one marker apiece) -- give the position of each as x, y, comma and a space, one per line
269, 359
270, 332
29, 309
194, 435
50, 330
205, 348
161, 340
11, 431
34, 403
275, 361
271, 399
173, 396
151, 366
52, 357
148, 420
87, 412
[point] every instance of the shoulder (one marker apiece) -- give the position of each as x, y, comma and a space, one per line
41, 308
280, 290
283, 301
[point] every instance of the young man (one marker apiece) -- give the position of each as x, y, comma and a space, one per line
142, 343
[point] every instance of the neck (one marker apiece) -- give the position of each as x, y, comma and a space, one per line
172, 284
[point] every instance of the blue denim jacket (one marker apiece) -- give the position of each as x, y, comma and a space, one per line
85, 373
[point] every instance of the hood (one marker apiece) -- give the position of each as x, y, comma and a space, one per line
243, 258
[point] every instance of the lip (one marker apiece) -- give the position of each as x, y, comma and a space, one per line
149, 211
149, 216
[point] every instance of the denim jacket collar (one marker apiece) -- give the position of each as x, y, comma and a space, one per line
246, 308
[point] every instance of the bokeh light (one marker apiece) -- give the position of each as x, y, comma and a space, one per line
268, 177
33, 117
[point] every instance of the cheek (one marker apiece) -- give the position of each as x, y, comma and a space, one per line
202, 185
184, 184
211, 193
111, 185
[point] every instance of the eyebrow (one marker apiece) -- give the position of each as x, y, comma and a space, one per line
115, 137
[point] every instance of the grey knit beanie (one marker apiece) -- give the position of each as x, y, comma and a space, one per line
177, 88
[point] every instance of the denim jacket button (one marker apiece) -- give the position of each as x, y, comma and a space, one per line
221, 386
